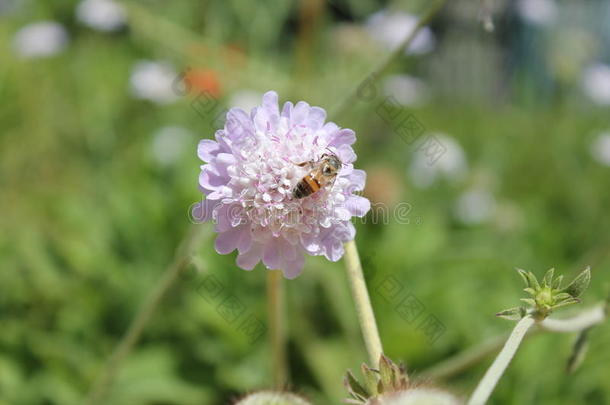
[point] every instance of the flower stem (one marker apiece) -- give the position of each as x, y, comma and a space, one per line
130, 338
585, 319
493, 374
275, 294
578, 323
363, 303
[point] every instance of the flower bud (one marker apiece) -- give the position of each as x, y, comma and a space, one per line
272, 398
416, 396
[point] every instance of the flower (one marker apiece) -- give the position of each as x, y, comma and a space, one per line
272, 398
418, 396
475, 206
537, 12
169, 144
252, 168
596, 83
391, 28
406, 90
203, 81
103, 15
153, 81
547, 294
451, 165
41, 39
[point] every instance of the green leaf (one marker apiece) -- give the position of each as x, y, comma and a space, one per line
548, 278
529, 301
557, 282
533, 280
580, 284
562, 296
567, 302
512, 314
525, 278
370, 380
386, 371
530, 291
354, 387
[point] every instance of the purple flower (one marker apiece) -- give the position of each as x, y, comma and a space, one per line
252, 168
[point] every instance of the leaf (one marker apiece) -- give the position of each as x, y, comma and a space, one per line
512, 314
530, 291
557, 282
370, 380
562, 296
354, 387
567, 302
524, 276
580, 283
533, 280
548, 278
529, 301
386, 371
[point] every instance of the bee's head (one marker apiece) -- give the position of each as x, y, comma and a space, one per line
331, 164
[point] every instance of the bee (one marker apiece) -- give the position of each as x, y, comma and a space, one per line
322, 174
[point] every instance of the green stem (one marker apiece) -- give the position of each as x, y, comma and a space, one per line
578, 323
492, 376
134, 332
277, 332
364, 309
585, 319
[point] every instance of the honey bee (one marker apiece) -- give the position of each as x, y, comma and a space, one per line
322, 174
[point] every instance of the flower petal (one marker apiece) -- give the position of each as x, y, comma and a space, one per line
228, 241
207, 149
249, 259
357, 206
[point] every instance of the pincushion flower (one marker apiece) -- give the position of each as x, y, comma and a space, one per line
248, 180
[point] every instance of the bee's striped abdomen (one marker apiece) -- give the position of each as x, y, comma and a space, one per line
307, 186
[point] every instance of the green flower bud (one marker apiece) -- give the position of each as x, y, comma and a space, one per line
547, 295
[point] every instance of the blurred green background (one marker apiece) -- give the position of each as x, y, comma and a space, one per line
98, 169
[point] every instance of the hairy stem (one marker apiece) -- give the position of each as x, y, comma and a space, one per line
578, 323
462, 361
134, 332
493, 374
363, 303
277, 333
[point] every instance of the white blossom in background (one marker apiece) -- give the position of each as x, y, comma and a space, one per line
475, 206
153, 81
600, 148
40, 39
451, 165
390, 28
596, 83
407, 90
8, 7
103, 15
537, 12
170, 143
508, 216
245, 99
